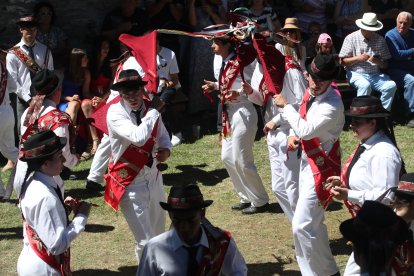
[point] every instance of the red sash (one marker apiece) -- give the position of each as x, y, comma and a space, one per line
403, 260
213, 256
353, 208
322, 165
60, 262
50, 121
126, 169
226, 80
25, 59
3, 81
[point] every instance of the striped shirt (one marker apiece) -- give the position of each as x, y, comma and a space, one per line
356, 44
262, 19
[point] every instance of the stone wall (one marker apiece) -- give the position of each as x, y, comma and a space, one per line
79, 19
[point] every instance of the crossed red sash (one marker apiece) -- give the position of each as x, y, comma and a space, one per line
226, 80
322, 165
25, 59
121, 174
213, 256
50, 121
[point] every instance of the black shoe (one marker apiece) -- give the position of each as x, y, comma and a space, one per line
240, 206
254, 210
93, 186
337, 274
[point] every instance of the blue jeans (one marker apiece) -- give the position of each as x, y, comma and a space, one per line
365, 83
406, 80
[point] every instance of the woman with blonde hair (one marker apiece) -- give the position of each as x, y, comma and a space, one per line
291, 44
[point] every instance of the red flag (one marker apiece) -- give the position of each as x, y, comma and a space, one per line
144, 49
98, 118
273, 63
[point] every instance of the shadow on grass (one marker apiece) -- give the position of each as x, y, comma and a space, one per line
270, 269
339, 247
98, 228
11, 233
334, 206
190, 174
275, 208
123, 270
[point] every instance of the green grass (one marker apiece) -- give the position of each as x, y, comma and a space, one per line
107, 247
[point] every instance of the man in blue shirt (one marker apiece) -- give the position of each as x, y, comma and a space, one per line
400, 41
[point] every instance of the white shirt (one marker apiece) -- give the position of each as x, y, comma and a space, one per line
165, 255
45, 214
167, 64
294, 85
325, 119
62, 131
377, 169
123, 130
19, 75
301, 61
247, 72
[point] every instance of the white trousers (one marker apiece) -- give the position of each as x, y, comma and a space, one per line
237, 154
100, 161
352, 268
7, 146
30, 264
141, 208
310, 234
284, 167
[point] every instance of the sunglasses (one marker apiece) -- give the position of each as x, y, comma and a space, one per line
289, 31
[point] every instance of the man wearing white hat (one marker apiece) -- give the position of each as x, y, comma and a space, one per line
364, 54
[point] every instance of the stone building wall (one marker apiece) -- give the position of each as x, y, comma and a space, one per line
81, 20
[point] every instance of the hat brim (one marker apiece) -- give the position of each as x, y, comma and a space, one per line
361, 25
59, 75
129, 84
290, 27
26, 24
348, 231
63, 142
402, 192
372, 115
326, 78
168, 207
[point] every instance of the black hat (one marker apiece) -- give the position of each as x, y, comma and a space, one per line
41, 146
323, 67
405, 186
374, 221
46, 82
185, 198
128, 79
366, 107
26, 22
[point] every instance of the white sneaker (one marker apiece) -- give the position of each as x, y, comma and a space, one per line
176, 139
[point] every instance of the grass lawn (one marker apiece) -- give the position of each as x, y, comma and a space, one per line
265, 240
